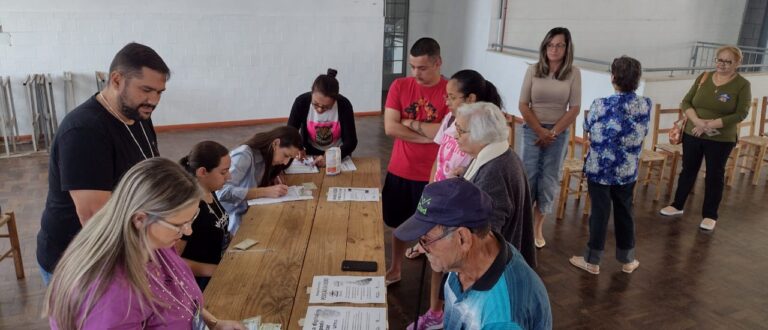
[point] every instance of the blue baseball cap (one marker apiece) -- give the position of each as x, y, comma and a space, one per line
453, 202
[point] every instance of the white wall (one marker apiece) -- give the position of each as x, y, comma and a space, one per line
604, 29
503, 70
506, 71
236, 60
444, 21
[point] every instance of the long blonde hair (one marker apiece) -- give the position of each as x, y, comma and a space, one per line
542, 67
110, 243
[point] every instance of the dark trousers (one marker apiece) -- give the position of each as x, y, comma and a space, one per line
715, 154
602, 197
399, 199
202, 282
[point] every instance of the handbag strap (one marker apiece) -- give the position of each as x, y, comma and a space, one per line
704, 77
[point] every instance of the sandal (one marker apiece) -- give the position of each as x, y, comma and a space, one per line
413, 252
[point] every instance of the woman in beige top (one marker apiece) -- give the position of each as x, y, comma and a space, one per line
549, 102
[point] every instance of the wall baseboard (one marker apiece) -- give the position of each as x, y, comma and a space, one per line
238, 123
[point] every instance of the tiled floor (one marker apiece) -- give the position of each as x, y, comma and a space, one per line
687, 278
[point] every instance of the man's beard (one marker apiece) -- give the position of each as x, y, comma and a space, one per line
129, 112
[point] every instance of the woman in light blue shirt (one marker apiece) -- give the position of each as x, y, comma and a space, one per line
256, 166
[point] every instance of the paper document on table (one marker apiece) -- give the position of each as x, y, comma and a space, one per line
348, 289
347, 165
345, 318
302, 167
295, 193
343, 194
254, 323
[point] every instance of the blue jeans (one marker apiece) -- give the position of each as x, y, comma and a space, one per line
45, 275
543, 166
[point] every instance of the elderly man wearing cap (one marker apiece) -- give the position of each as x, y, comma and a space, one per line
489, 285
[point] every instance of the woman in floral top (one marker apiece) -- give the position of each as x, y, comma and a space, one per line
617, 126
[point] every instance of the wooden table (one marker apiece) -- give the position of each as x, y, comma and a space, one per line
303, 239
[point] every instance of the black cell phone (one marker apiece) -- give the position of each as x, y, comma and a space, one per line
358, 266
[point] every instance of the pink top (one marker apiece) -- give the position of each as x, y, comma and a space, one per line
449, 156
172, 284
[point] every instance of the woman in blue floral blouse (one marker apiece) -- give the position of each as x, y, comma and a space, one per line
617, 126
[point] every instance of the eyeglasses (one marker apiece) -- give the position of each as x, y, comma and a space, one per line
425, 244
460, 130
556, 46
722, 61
451, 97
179, 229
323, 107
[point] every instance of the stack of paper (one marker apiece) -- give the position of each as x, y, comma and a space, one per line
342, 194
347, 165
338, 318
348, 289
302, 167
295, 193
254, 323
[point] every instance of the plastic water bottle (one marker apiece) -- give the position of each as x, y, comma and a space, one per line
333, 161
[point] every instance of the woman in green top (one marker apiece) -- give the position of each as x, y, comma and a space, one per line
714, 108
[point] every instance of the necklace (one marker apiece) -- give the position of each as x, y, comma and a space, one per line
151, 152
718, 84
221, 211
176, 280
220, 220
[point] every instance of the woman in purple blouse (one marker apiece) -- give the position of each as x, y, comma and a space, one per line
121, 270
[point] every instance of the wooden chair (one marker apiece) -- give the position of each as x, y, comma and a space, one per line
753, 147
573, 170
672, 152
655, 162
9, 220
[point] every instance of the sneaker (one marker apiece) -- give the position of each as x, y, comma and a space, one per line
583, 264
429, 321
708, 224
670, 211
630, 267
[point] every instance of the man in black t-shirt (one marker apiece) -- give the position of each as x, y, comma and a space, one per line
96, 144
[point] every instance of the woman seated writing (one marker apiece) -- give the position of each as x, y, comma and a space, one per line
255, 169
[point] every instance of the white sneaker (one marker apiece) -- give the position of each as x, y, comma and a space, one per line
630, 267
580, 262
708, 224
670, 211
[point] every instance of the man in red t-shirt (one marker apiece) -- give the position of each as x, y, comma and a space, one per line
413, 112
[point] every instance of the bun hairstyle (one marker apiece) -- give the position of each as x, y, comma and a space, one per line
472, 82
327, 84
206, 154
